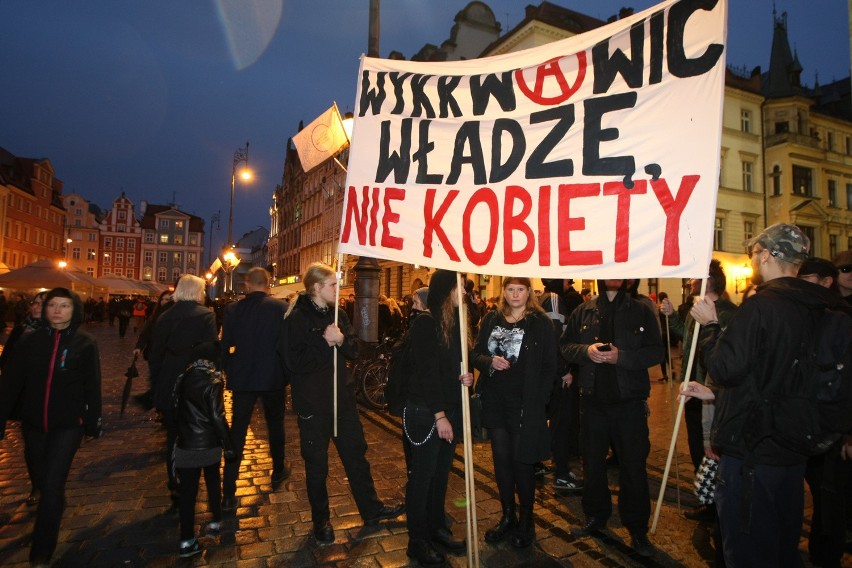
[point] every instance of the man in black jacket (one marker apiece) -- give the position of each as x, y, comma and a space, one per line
614, 340
759, 494
253, 370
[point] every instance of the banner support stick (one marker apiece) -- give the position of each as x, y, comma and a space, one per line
678, 416
469, 482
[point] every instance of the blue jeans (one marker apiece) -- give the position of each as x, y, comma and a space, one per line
777, 505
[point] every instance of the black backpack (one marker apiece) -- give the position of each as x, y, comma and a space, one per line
813, 408
399, 372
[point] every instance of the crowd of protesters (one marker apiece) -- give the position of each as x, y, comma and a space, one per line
560, 373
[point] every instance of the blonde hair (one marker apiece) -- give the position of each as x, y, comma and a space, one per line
532, 304
315, 274
189, 288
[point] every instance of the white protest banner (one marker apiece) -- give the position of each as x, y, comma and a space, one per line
594, 156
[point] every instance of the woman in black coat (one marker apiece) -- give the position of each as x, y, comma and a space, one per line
183, 326
516, 354
307, 346
432, 419
56, 372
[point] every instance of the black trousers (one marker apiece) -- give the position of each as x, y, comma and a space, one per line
51, 454
188, 494
122, 325
426, 491
315, 432
242, 407
828, 479
170, 422
694, 431
624, 425
564, 415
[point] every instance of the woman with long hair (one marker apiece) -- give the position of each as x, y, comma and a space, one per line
432, 420
516, 354
307, 346
56, 372
181, 327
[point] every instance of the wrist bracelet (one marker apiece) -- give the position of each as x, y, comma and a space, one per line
444, 417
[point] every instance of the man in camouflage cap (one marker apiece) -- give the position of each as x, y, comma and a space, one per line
759, 495
783, 242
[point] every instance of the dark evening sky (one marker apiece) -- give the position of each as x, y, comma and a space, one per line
152, 98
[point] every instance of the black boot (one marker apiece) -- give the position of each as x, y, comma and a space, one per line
525, 533
504, 527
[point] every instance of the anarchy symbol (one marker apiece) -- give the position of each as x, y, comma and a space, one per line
551, 69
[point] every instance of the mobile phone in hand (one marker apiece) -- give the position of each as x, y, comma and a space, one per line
605, 347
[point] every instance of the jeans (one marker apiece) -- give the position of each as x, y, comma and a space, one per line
624, 425
777, 504
242, 407
314, 434
428, 474
51, 454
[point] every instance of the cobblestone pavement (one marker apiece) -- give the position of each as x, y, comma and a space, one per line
119, 512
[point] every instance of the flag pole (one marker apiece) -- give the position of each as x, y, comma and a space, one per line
469, 482
338, 273
678, 417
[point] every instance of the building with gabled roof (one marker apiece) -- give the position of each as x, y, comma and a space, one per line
172, 243
32, 214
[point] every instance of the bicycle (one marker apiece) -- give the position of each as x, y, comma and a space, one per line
371, 375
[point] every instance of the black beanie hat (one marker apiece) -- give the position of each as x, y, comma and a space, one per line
440, 286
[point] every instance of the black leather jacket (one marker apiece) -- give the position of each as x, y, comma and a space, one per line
200, 408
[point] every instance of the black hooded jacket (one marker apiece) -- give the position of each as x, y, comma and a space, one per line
755, 354
309, 360
57, 374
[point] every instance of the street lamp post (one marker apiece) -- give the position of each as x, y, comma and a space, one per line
241, 155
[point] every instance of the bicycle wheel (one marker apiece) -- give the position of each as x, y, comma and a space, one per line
373, 382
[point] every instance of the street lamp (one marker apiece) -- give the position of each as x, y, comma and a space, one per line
743, 274
229, 262
241, 155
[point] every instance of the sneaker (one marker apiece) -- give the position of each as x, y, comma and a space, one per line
213, 528
190, 548
569, 483
642, 545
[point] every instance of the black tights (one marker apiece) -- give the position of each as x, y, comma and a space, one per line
511, 474
188, 491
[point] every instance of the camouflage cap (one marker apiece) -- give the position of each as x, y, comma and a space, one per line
784, 242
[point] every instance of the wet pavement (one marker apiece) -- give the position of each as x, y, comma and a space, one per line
119, 512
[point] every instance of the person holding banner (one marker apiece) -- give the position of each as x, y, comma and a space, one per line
307, 345
615, 339
516, 354
432, 420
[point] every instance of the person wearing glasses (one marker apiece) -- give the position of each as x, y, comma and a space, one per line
843, 262
759, 492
